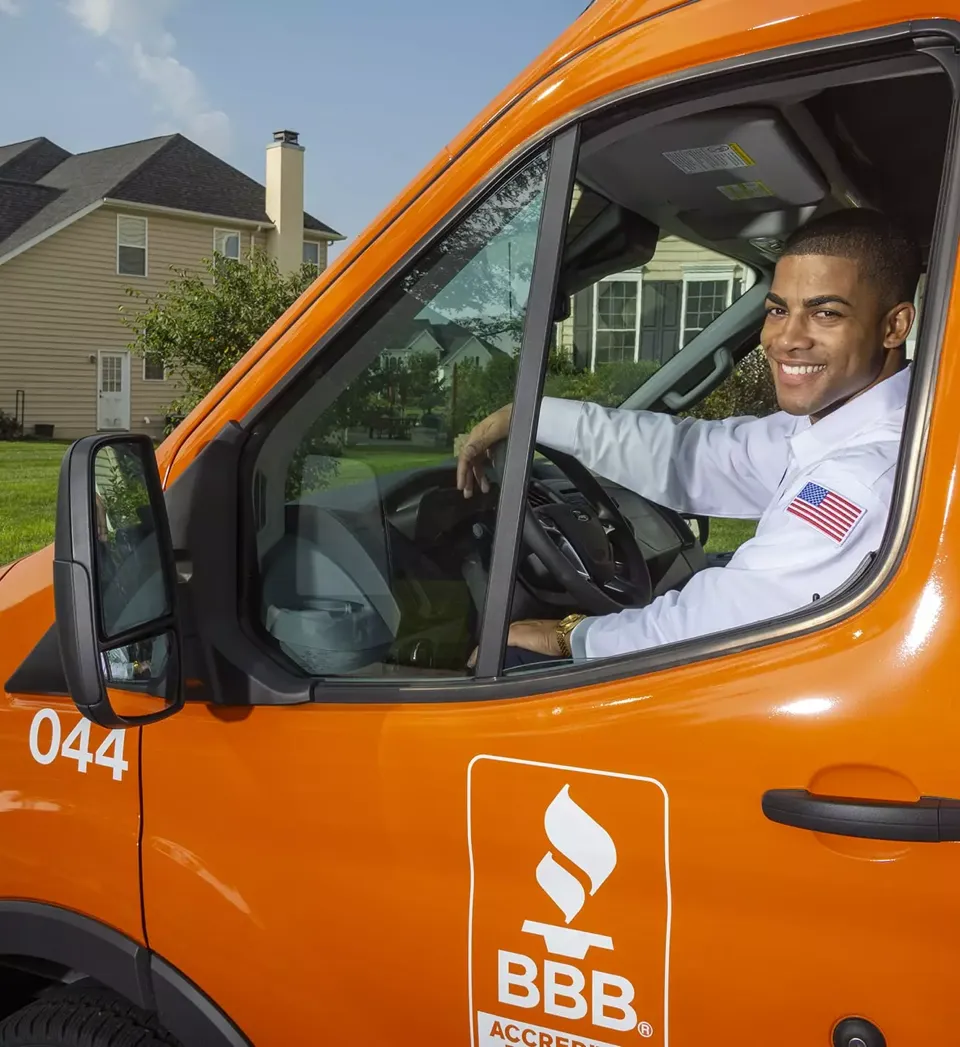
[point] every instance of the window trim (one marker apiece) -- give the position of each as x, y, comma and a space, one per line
223, 231
312, 243
263, 686
143, 371
703, 274
627, 277
146, 245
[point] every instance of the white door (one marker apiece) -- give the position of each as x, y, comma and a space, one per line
113, 391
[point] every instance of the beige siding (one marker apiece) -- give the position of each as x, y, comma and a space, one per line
674, 256
59, 305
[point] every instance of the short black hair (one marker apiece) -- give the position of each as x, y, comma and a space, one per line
888, 256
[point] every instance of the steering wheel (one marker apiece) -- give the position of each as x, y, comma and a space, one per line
590, 550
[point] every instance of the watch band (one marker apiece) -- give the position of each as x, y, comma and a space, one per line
564, 628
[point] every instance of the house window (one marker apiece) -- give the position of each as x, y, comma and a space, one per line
131, 246
227, 243
616, 316
704, 298
153, 368
311, 253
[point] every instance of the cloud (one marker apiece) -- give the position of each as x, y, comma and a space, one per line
9, 7
137, 29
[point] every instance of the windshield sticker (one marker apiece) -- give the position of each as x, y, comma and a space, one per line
569, 927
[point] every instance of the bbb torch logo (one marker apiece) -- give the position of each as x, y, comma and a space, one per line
566, 969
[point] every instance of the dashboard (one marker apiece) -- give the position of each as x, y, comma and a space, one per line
393, 570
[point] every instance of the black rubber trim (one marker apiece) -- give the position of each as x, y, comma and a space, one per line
931, 819
189, 1014
38, 931
47, 932
41, 672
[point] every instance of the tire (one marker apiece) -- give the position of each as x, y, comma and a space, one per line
83, 1017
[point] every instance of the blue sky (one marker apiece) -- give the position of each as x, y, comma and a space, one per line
375, 87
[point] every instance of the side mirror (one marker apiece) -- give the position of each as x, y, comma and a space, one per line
114, 582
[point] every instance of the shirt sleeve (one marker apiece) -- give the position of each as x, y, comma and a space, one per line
791, 562
728, 468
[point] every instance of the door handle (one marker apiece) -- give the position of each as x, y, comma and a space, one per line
931, 819
722, 365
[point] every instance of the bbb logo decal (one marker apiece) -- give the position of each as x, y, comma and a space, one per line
569, 906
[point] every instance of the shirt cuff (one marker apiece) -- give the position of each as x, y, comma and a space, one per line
578, 640
558, 423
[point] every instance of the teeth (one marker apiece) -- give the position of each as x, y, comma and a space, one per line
802, 368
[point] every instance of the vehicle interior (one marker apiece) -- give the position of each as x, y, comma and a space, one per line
379, 573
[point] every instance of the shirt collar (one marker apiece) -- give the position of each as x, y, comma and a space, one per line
874, 407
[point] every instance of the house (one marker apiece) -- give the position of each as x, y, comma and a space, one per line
77, 230
651, 312
449, 342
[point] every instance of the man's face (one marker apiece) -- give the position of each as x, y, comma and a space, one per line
828, 336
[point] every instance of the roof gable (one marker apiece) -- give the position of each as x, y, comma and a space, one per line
19, 202
30, 161
169, 172
187, 177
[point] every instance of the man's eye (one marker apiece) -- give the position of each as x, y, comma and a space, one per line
828, 314
775, 310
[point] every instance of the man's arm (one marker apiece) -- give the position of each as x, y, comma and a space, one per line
724, 468
794, 559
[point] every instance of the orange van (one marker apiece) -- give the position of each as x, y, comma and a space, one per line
253, 793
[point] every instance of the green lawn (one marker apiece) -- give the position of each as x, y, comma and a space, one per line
28, 496
728, 535
28, 492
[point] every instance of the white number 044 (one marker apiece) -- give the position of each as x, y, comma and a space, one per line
45, 744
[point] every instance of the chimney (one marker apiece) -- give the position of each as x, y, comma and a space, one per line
285, 200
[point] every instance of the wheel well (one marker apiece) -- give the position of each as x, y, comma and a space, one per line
23, 979
42, 946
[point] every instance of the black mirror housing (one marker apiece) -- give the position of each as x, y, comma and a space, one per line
114, 579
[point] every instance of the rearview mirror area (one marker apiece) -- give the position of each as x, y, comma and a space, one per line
115, 584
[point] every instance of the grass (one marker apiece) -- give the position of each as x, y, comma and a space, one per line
727, 535
28, 496
28, 492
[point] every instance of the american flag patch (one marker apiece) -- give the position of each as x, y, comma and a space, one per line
827, 511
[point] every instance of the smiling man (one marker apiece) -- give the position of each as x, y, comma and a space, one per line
818, 475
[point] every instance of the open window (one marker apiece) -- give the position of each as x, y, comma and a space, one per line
362, 560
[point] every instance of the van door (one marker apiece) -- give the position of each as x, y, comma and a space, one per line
573, 856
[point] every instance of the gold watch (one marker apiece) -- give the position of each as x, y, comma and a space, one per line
564, 628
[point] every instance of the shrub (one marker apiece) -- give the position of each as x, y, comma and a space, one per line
748, 391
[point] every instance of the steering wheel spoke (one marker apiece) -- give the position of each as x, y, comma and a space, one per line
587, 546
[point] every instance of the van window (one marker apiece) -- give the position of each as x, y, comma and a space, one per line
369, 562
678, 332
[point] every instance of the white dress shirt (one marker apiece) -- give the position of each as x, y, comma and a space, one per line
821, 494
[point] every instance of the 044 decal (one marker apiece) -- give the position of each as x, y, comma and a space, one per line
47, 744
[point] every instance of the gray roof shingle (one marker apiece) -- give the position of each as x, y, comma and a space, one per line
170, 171
30, 161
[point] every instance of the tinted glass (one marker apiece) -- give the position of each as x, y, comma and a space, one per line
370, 562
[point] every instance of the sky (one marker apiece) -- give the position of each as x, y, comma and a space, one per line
375, 88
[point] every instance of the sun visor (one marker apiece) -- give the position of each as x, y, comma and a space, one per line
728, 162
777, 224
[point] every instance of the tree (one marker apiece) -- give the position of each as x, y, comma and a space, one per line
204, 322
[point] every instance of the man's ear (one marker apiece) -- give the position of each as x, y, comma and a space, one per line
897, 325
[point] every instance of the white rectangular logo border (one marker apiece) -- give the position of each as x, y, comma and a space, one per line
666, 863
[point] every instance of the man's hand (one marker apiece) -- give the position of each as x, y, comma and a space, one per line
534, 634
482, 437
